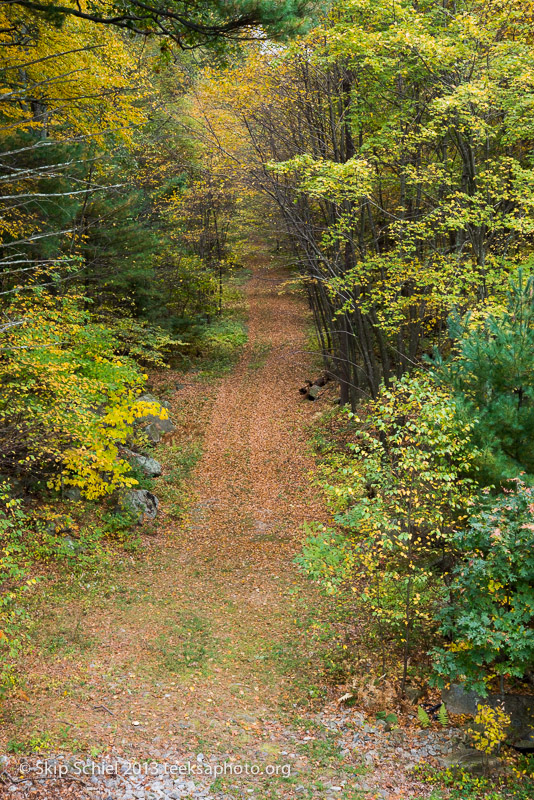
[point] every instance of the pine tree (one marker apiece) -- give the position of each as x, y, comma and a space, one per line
492, 371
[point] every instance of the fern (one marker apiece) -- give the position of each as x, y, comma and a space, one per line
423, 717
443, 717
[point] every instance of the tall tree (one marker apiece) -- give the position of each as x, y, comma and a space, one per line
188, 24
396, 143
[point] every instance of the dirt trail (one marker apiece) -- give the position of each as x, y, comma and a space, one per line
194, 655
252, 482
186, 670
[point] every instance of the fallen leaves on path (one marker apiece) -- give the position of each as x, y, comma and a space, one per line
183, 657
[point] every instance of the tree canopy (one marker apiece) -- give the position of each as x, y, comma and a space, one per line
188, 24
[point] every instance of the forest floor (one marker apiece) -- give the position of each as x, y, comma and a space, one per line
191, 660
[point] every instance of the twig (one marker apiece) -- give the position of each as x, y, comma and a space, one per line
102, 708
12, 780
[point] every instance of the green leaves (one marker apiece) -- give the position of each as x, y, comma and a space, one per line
398, 492
492, 373
489, 612
443, 717
204, 23
326, 557
423, 717
68, 396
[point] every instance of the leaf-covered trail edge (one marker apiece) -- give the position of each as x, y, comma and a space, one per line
197, 650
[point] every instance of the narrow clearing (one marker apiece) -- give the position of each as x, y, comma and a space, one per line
195, 659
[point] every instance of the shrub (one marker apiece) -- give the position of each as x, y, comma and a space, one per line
326, 557
67, 397
491, 728
491, 372
13, 581
488, 614
399, 494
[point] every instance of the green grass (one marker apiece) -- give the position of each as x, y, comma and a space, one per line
187, 644
322, 751
259, 355
222, 343
69, 642
180, 461
44, 742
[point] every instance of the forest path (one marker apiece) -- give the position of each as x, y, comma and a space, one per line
193, 656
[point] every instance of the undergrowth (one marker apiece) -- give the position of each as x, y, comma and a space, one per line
53, 550
460, 785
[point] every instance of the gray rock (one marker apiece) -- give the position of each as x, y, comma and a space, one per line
520, 707
60, 525
525, 745
471, 760
460, 701
150, 466
149, 398
70, 545
72, 493
413, 693
143, 503
151, 424
155, 430
247, 718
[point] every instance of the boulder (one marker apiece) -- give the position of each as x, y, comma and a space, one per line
471, 760
150, 466
525, 745
151, 424
155, 430
72, 493
70, 546
59, 525
520, 707
143, 503
460, 701
149, 398
414, 694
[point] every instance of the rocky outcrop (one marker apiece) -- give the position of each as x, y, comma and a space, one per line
151, 424
142, 503
150, 467
520, 707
